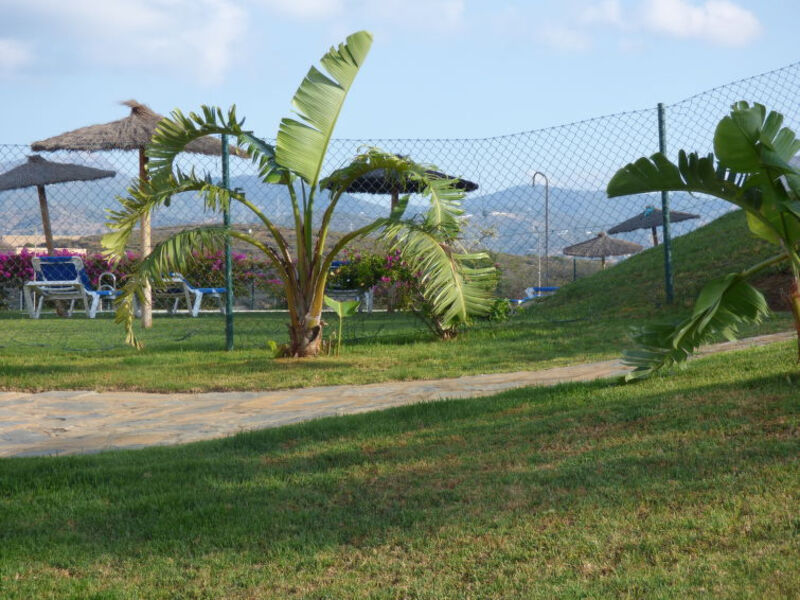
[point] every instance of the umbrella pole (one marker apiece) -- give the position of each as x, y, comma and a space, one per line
48, 233
655, 236
147, 305
61, 310
395, 199
603, 262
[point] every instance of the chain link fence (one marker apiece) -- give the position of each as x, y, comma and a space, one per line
539, 191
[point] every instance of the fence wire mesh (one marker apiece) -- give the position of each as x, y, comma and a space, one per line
539, 191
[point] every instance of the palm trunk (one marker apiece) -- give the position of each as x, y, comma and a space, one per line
305, 326
794, 300
304, 340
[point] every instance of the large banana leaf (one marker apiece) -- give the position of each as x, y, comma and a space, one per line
301, 145
761, 194
750, 140
723, 305
692, 174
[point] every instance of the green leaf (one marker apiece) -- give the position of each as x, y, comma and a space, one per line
453, 286
761, 229
722, 307
343, 308
302, 144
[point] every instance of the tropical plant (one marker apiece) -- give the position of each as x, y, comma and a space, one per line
430, 254
342, 308
752, 170
296, 162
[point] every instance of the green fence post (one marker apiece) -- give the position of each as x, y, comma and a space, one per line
662, 147
226, 217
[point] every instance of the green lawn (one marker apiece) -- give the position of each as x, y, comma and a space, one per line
678, 487
184, 354
587, 320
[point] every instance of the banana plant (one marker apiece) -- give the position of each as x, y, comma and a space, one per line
342, 308
751, 170
296, 162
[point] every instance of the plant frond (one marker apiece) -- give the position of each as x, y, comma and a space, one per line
452, 283
262, 154
175, 253
145, 196
722, 307
177, 130
302, 144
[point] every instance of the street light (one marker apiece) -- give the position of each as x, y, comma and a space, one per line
546, 224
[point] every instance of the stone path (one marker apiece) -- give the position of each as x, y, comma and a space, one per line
71, 422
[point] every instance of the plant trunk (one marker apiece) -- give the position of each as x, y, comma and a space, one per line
304, 341
795, 304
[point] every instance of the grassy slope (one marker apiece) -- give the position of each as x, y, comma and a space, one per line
636, 286
679, 487
587, 320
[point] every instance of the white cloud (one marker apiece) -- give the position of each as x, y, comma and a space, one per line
14, 55
306, 9
606, 12
716, 21
198, 35
441, 15
399, 14
565, 38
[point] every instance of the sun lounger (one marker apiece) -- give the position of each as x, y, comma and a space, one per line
62, 278
177, 288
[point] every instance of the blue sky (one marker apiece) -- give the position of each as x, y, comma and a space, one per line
438, 68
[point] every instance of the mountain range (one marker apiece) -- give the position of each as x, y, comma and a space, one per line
510, 220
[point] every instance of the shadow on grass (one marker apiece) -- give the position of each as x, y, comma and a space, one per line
359, 479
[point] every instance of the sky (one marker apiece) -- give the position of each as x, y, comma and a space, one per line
437, 68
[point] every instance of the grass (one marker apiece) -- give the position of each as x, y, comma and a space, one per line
677, 487
586, 321
637, 284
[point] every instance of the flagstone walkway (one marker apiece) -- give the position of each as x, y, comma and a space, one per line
72, 422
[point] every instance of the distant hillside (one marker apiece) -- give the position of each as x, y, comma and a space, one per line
516, 215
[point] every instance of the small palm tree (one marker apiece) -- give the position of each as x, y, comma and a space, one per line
752, 170
296, 161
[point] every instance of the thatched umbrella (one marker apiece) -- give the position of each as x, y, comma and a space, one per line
651, 218
134, 132
39, 172
602, 246
381, 181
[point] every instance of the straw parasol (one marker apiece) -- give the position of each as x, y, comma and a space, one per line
134, 132
602, 246
651, 218
39, 172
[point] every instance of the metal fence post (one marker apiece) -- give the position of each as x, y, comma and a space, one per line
662, 147
226, 217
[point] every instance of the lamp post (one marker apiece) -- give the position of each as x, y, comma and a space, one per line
546, 223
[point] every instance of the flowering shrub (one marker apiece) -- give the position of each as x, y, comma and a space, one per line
358, 271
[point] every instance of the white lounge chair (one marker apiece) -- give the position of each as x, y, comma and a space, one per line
62, 278
176, 287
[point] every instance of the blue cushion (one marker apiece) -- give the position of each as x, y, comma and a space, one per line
212, 290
